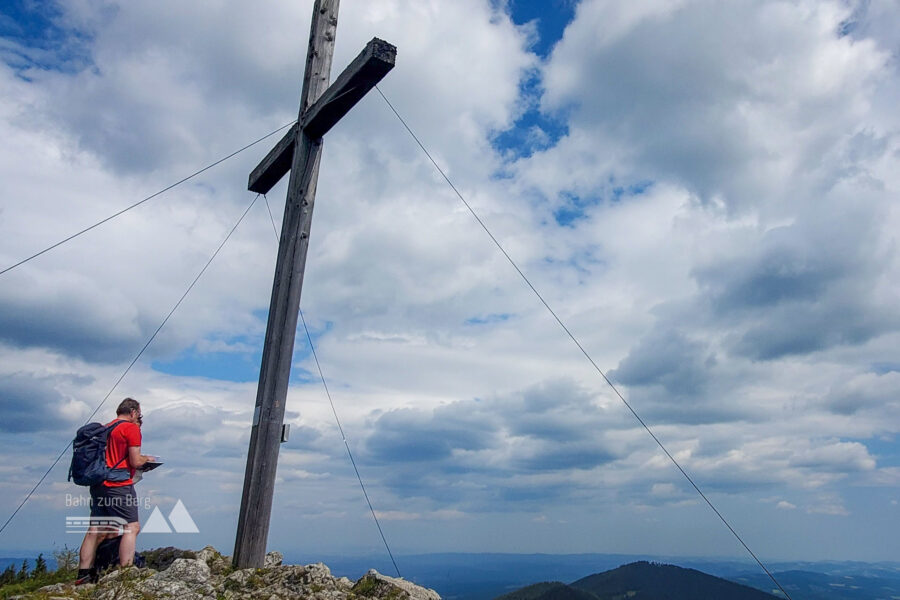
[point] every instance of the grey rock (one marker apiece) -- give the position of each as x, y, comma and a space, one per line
207, 554
122, 584
207, 575
185, 578
273, 559
240, 577
188, 570
374, 584
218, 564
172, 588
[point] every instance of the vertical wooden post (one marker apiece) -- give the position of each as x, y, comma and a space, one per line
265, 436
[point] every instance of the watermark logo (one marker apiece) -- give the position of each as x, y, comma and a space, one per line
179, 518
114, 525
79, 501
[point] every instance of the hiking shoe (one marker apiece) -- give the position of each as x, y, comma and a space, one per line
87, 576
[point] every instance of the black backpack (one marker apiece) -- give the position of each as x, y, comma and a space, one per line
89, 456
108, 555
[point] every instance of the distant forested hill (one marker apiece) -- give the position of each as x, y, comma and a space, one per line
641, 581
817, 586
552, 590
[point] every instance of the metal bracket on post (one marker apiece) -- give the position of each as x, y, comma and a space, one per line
285, 432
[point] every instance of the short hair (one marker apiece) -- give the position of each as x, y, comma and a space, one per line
127, 405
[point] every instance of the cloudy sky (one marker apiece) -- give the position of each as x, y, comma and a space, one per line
705, 192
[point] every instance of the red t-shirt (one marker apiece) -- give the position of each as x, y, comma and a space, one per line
125, 435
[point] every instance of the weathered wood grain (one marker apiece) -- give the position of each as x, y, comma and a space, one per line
265, 434
275, 165
360, 76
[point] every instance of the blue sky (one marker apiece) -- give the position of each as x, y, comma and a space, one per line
705, 193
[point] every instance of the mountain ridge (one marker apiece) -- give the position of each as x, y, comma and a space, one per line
641, 580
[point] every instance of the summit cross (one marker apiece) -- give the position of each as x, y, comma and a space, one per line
299, 151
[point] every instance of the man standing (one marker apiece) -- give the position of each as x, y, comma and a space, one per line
116, 498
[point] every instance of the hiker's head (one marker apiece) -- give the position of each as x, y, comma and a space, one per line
130, 410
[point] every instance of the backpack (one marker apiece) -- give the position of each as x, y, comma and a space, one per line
107, 555
89, 456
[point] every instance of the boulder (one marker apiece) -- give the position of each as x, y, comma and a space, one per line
207, 554
192, 571
375, 585
218, 563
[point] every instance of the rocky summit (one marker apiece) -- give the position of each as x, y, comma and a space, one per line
208, 575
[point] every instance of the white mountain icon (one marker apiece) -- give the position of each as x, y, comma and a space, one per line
179, 518
156, 523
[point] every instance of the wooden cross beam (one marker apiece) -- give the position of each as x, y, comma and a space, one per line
360, 76
299, 151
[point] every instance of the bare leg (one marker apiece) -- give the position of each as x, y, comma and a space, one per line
89, 545
128, 543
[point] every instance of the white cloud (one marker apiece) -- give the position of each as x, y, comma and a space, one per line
726, 110
829, 506
663, 489
731, 260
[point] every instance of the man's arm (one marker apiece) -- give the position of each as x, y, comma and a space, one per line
136, 459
